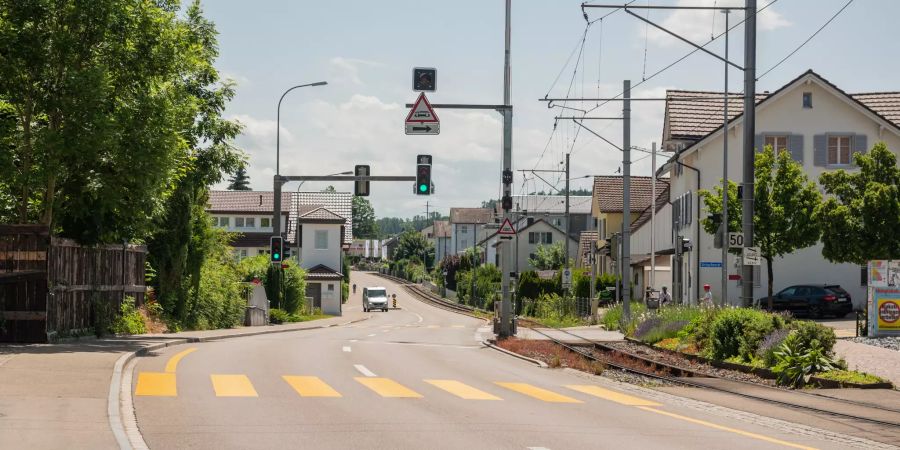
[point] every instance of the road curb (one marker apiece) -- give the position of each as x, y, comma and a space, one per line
536, 362
120, 404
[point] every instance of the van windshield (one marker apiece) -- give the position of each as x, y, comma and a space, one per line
377, 293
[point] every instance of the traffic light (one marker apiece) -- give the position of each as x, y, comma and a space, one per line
361, 188
423, 175
424, 79
506, 203
276, 247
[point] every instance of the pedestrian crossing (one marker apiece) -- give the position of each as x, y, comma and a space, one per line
151, 384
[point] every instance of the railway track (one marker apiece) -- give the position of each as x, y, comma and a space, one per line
646, 367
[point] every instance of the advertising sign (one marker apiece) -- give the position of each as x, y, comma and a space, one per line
886, 311
884, 273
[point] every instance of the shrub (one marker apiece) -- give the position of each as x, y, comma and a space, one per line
294, 287
129, 320
850, 376
770, 344
808, 331
796, 364
278, 316
556, 311
738, 332
646, 326
613, 319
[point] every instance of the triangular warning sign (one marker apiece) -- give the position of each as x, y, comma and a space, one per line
507, 228
422, 111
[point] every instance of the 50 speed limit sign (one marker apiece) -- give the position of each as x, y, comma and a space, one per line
735, 240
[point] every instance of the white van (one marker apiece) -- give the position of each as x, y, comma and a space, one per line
375, 298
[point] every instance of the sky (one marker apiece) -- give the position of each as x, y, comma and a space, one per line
366, 50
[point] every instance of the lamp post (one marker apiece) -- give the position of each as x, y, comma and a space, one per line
276, 194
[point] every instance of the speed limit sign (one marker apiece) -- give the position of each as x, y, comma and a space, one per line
735, 240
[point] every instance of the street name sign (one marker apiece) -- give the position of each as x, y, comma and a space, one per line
751, 256
421, 119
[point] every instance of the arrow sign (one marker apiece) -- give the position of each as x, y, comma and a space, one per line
507, 228
421, 118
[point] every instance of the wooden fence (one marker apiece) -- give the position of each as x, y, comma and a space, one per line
52, 287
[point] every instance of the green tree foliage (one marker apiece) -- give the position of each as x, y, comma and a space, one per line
240, 181
487, 283
861, 215
784, 205
364, 226
548, 257
412, 245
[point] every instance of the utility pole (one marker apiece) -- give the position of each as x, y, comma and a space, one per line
749, 141
626, 201
724, 228
425, 250
505, 302
653, 218
567, 216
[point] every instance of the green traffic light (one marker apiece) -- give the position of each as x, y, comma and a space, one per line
277, 256
423, 188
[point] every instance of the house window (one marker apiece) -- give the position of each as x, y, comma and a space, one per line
539, 237
321, 239
265, 222
222, 222
261, 252
239, 222
807, 100
463, 229
838, 150
778, 143
330, 287
250, 222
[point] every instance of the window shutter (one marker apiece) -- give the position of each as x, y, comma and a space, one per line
858, 144
820, 150
758, 142
690, 208
795, 144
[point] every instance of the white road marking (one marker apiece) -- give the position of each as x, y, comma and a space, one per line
537, 448
385, 331
373, 334
420, 318
347, 349
354, 340
362, 369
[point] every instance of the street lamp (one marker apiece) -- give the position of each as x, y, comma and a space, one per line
276, 194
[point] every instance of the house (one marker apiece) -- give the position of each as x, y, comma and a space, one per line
642, 248
587, 242
607, 209
365, 248
529, 237
388, 246
552, 208
339, 203
467, 227
320, 245
441, 239
821, 125
249, 214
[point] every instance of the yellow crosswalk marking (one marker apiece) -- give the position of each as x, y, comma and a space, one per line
538, 393
387, 388
156, 384
310, 386
173, 361
233, 386
614, 396
462, 390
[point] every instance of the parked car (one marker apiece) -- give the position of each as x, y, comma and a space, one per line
374, 298
814, 300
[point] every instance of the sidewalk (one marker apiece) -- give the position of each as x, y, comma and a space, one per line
870, 359
55, 395
593, 333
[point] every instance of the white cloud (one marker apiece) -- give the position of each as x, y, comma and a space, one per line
347, 69
698, 26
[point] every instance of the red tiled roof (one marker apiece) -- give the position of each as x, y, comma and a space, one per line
441, 229
246, 201
471, 215
321, 215
608, 190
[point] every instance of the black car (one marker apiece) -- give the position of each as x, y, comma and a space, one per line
814, 300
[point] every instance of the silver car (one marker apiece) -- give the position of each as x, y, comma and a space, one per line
375, 298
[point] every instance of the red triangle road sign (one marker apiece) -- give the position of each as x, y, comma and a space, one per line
507, 228
422, 112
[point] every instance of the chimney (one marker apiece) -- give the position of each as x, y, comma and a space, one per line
260, 199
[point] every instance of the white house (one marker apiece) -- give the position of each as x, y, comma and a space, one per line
248, 213
320, 241
442, 235
530, 235
467, 227
820, 124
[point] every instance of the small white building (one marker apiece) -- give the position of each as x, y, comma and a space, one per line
820, 124
467, 227
529, 236
249, 214
320, 236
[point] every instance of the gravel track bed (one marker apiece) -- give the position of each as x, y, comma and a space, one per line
684, 363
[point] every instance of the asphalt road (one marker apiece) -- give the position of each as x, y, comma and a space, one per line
412, 378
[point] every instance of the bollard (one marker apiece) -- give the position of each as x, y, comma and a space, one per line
394, 297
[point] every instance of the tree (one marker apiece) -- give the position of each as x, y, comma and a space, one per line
784, 204
240, 181
364, 226
861, 216
412, 245
548, 257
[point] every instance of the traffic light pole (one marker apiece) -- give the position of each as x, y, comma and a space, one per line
506, 301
